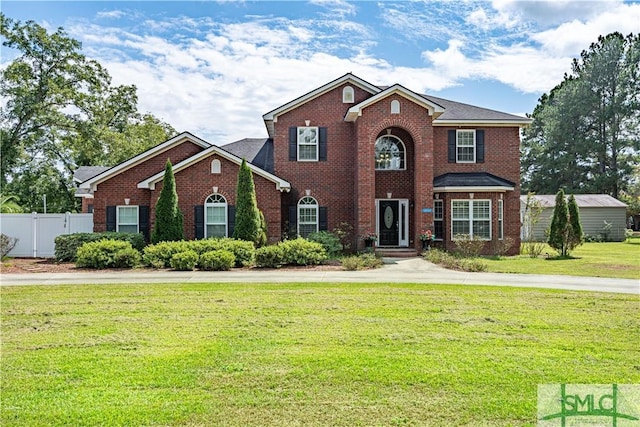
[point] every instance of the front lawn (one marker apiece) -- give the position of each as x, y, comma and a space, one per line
611, 259
304, 354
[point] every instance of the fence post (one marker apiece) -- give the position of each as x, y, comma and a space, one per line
67, 222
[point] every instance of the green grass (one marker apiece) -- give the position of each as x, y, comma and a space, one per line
303, 354
616, 260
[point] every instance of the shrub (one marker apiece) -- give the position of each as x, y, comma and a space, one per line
270, 256
6, 244
243, 250
159, 255
502, 247
169, 223
184, 261
361, 262
452, 262
329, 241
468, 246
107, 254
66, 245
218, 260
303, 252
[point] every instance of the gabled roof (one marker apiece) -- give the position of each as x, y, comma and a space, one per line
83, 173
582, 200
272, 116
258, 151
150, 183
356, 111
93, 182
472, 181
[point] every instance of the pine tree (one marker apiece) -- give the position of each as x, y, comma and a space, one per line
576, 235
559, 232
169, 224
247, 214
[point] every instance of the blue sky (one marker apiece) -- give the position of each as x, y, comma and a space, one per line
214, 67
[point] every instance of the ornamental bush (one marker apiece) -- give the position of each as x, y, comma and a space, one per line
468, 246
184, 261
329, 241
219, 260
361, 262
159, 255
301, 251
107, 254
270, 256
66, 245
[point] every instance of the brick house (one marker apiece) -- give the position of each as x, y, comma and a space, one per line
384, 160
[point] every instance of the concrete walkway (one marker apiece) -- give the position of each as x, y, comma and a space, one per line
410, 270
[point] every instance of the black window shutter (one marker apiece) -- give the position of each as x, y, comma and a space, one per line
198, 219
293, 219
322, 215
452, 145
480, 146
231, 220
143, 221
293, 143
111, 218
322, 139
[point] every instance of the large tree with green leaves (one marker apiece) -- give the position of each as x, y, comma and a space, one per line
61, 111
585, 133
169, 223
247, 225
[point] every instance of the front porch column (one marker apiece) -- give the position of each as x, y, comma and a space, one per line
423, 185
365, 185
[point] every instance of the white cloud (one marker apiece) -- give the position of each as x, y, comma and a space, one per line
111, 14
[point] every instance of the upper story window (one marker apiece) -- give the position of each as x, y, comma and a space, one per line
307, 216
466, 146
307, 143
216, 167
390, 153
395, 107
215, 208
127, 219
347, 95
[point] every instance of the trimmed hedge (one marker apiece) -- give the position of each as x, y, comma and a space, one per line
107, 254
270, 257
160, 254
218, 260
301, 251
184, 261
67, 245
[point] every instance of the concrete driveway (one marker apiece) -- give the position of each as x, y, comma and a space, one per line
410, 270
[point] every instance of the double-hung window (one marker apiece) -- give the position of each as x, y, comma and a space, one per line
472, 217
307, 216
438, 219
127, 219
465, 146
308, 144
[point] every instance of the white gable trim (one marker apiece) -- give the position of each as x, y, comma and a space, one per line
484, 123
92, 183
478, 189
150, 183
272, 116
356, 111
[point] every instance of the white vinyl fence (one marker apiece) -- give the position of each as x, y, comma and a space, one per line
36, 232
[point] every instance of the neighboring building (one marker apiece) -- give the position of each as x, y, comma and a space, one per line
381, 159
595, 211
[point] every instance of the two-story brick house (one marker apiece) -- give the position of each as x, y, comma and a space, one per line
385, 160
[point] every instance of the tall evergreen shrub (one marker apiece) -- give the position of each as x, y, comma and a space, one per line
247, 214
169, 219
576, 235
559, 231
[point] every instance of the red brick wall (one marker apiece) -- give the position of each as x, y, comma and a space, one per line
125, 185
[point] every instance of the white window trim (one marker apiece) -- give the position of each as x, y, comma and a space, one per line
308, 206
471, 219
216, 166
475, 148
137, 224
441, 218
404, 155
500, 219
226, 214
317, 143
348, 95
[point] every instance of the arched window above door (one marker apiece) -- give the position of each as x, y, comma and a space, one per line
390, 153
